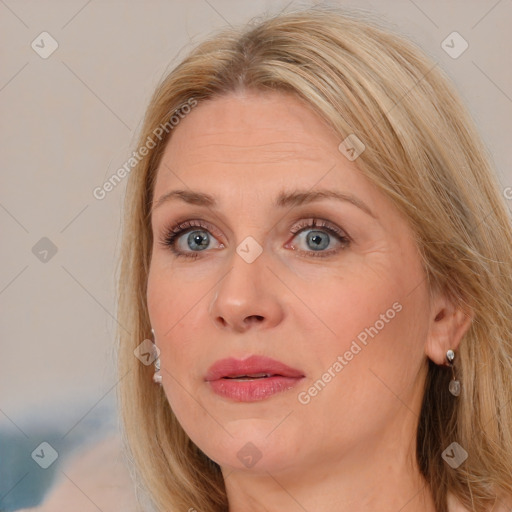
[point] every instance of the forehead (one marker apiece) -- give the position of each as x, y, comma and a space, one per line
255, 114
262, 137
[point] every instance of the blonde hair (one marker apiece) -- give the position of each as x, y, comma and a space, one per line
424, 152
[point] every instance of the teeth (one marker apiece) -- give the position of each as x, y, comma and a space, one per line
253, 376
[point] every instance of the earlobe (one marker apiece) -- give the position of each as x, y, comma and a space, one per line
448, 325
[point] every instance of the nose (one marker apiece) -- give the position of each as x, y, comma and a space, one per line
248, 296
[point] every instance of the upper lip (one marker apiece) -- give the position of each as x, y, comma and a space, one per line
252, 365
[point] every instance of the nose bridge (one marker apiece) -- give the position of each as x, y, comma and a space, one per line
246, 292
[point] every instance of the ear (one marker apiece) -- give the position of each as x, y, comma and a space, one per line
447, 325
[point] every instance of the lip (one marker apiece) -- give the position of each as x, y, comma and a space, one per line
221, 378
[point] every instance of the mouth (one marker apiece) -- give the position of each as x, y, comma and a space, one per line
251, 379
254, 367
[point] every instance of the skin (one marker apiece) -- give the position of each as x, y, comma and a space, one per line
351, 448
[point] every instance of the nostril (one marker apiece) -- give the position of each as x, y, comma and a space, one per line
254, 318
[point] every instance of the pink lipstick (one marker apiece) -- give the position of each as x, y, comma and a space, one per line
251, 379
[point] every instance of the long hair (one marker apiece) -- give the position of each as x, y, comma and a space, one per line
423, 151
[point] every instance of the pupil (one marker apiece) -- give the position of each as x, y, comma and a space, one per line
200, 240
317, 240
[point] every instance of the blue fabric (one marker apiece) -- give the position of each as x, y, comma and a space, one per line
23, 482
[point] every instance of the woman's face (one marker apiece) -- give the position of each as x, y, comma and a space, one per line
343, 303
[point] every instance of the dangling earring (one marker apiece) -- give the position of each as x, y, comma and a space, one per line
454, 386
157, 377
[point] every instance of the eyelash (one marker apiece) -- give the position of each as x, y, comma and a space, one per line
168, 240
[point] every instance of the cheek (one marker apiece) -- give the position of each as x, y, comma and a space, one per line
169, 296
374, 358
376, 317
347, 304
172, 318
172, 307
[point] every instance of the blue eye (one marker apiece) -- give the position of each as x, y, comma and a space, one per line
196, 239
316, 240
319, 239
199, 240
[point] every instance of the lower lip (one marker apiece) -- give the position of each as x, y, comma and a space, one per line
253, 390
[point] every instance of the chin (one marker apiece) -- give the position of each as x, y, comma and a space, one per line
250, 449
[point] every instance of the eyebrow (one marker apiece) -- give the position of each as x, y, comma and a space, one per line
284, 199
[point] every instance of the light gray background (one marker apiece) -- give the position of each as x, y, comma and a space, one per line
69, 121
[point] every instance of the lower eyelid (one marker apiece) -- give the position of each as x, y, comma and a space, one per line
193, 255
343, 239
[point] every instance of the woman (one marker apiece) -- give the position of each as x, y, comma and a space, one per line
318, 251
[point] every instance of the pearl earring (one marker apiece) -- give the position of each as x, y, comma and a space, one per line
157, 377
454, 386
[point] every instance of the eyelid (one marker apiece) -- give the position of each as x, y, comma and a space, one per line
188, 224
305, 219
170, 236
343, 239
318, 222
